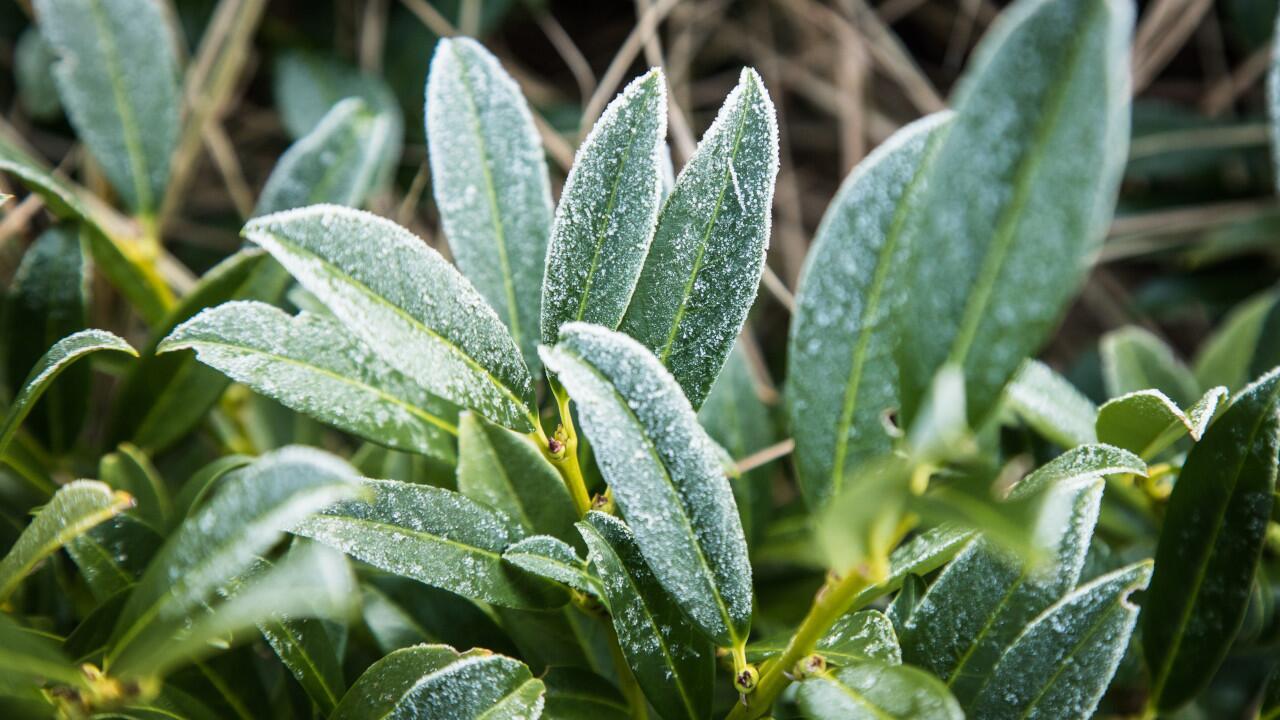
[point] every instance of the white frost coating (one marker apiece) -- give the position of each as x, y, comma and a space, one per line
311, 364
607, 212
875, 691
704, 264
1147, 421
1051, 405
490, 181
1079, 463
665, 473
406, 303
1135, 359
553, 559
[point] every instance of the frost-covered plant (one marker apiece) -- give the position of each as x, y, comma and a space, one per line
554, 430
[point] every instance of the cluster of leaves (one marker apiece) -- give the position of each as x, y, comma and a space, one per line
972, 534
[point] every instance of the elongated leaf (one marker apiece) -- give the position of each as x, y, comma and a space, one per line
1209, 546
506, 471
75, 509
1051, 405
703, 268
28, 658
574, 694
338, 162
130, 470
1080, 463
873, 691
920, 555
1018, 195
607, 212
307, 87
1060, 666
555, 560
310, 363
674, 666
982, 601
249, 513
424, 318
401, 612
863, 636
113, 555
33, 61
304, 646
164, 397
665, 474
430, 682
58, 195
1147, 421
47, 301
842, 375
489, 176
434, 536
1133, 359
118, 78
1226, 356
53, 363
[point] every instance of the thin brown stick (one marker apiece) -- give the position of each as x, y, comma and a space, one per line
1163, 31
223, 153
778, 289
409, 205
569, 53
430, 17
373, 35
608, 85
887, 51
764, 457
16, 219
1225, 92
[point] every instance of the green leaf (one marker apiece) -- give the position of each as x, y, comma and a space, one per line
920, 555
1018, 194
117, 75
53, 363
1226, 356
607, 212
311, 364
305, 647
422, 317
28, 658
506, 471
555, 560
574, 694
130, 470
842, 376
858, 637
1134, 359
673, 664
434, 536
400, 612
665, 474
978, 605
703, 268
164, 397
201, 483
1079, 463
307, 86
33, 74
337, 162
1147, 421
113, 555
863, 519
1052, 406
1060, 666
489, 176
430, 682
1213, 534
76, 508
248, 514
46, 301
874, 691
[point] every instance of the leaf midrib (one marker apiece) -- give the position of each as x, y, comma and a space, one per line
411, 532
859, 698
1062, 664
314, 669
137, 158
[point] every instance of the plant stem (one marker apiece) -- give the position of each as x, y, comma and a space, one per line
631, 691
565, 457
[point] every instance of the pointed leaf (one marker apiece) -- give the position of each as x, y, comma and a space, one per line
920, 555
674, 666
1147, 421
434, 682
863, 636
311, 364
1060, 666
130, 470
306, 649
28, 658
117, 75
873, 691
607, 212
665, 474
113, 555
1134, 359
1019, 193
75, 509
434, 536
422, 317
489, 176
1213, 534
307, 87
703, 268
555, 560
842, 376
1051, 405
1226, 356
1079, 463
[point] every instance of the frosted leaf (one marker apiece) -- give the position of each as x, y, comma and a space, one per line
665, 474
1134, 359
1227, 357
553, 559
489, 177
607, 211
1079, 463
703, 268
866, 635
114, 554
1051, 405
406, 303
1147, 421
311, 364
875, 691
117, 74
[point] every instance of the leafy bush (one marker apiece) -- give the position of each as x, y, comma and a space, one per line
553, 450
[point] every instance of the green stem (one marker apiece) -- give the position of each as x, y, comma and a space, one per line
565, 457
631, 691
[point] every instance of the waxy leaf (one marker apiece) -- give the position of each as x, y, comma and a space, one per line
607, 212
434, 682
75, 509
308, 86
118, 77
53, 363
703, 268
574, 694
673, 664
218, 543
1019, 193
129, 469
555, 560
1079, 463
1226, 357
1133, 359
874, 691
1060, 666
665, 474
920, 555
28, 659
305, 647
113, 555
400, 612
506, 471
434, 536
310, 363
1147, 421
842, 375
489, 176
1213, 534
1052, 406
33, 62
858, 637
424, 318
